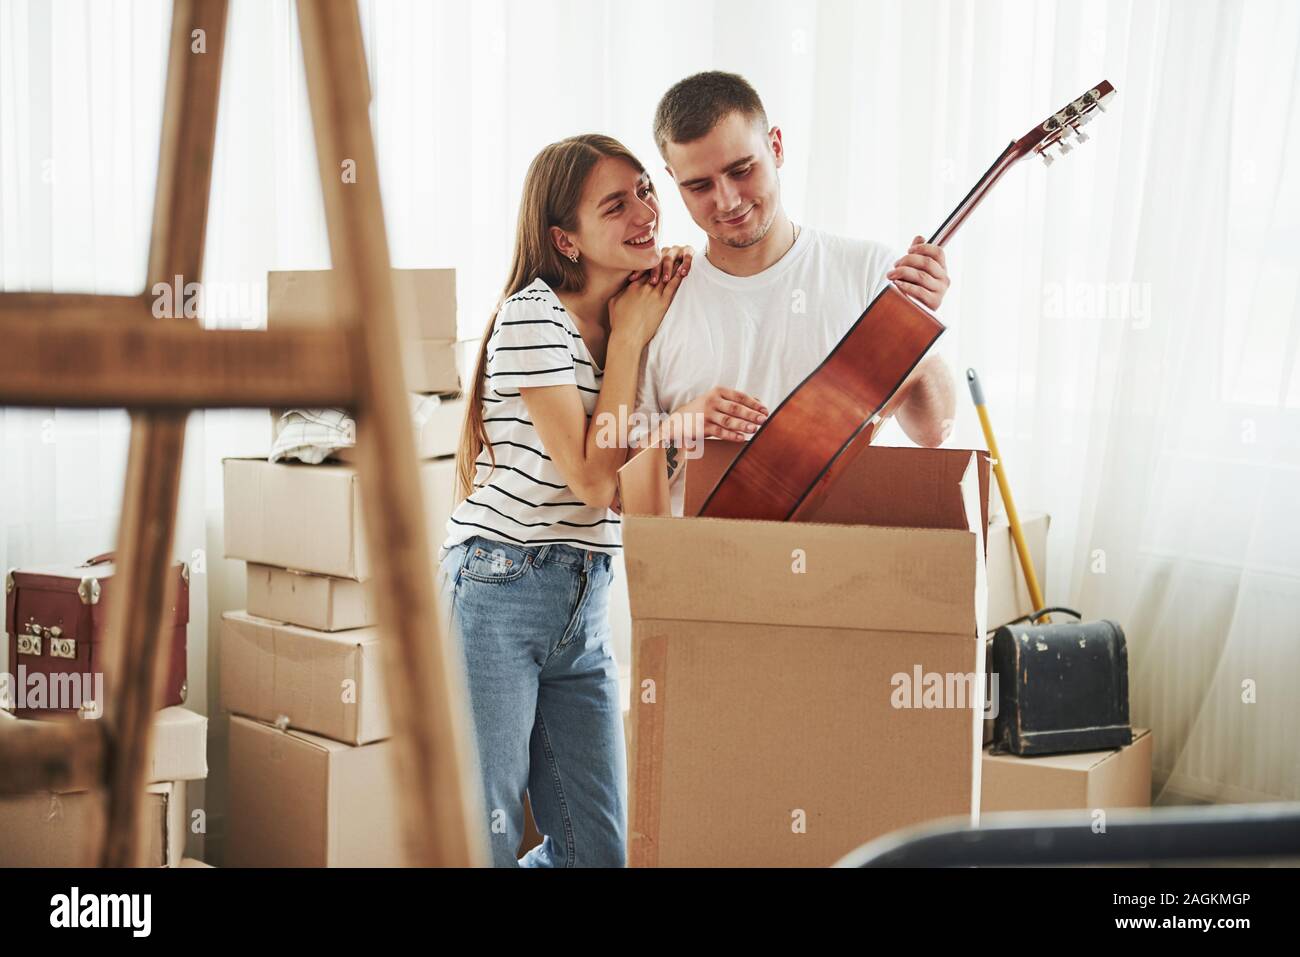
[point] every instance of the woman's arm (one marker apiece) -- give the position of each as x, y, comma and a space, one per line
589, 454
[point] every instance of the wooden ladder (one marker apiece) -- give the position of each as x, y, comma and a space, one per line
110, 351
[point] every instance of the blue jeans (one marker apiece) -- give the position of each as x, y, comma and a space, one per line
533, 624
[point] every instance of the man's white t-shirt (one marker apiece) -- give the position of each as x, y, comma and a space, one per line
762, 334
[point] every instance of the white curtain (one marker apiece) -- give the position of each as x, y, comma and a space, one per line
1132, 310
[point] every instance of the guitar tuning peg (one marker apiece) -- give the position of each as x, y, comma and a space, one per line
1065, 146
1048, 158
1081, 137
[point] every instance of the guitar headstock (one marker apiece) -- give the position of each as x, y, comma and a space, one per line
1064, 124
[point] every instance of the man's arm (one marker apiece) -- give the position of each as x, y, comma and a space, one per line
926, 403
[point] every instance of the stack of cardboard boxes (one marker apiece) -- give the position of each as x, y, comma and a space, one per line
55, 829
301, 668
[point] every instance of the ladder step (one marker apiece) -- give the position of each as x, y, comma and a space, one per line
62, 306
51, 755
78, 360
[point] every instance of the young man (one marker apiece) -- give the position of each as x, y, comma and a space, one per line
769, 299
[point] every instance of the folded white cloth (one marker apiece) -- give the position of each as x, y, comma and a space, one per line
313, 435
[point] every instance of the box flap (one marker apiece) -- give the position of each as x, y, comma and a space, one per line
977, 521
707, 569
887, 486
905, 487
707, 464
643, 482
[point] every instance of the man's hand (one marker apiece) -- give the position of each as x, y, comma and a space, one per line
724, 414
922, 273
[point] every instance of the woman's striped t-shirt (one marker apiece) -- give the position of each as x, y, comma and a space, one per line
525, 500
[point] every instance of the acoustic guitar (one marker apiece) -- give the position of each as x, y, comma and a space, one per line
787, 466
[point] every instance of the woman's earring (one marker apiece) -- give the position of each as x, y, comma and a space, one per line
573, 256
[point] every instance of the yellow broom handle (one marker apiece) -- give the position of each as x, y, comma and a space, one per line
1026, 563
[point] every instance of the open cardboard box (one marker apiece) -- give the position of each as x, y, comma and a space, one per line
779, 669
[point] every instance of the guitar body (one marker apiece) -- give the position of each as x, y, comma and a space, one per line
796, 455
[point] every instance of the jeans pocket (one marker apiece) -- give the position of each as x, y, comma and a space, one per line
495, 562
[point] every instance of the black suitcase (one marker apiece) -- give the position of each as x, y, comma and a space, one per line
1061, 687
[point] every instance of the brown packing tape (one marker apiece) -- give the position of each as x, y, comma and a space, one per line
647, 748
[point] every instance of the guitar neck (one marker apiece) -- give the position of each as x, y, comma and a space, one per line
1004, 162
1056, 130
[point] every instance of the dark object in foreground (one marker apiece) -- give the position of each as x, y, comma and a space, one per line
1259, 832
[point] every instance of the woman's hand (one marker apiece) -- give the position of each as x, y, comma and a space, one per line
676, 259
637, 309
725, 414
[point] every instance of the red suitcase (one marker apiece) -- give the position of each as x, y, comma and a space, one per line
56, 616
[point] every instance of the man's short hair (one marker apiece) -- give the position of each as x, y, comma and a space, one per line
695, 105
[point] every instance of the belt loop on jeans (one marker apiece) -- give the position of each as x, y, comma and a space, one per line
541, 555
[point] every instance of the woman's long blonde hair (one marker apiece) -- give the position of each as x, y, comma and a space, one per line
552, 191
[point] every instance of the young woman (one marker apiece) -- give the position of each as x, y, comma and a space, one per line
525, 572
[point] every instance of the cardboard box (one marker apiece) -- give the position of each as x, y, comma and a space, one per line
426, 300
426, 314
436, 437
300, 800
328, 683
1120, 777
1008, 593
430, 365
56, 829
169, 833
180, 746
778, 728
311, 601
308, 517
